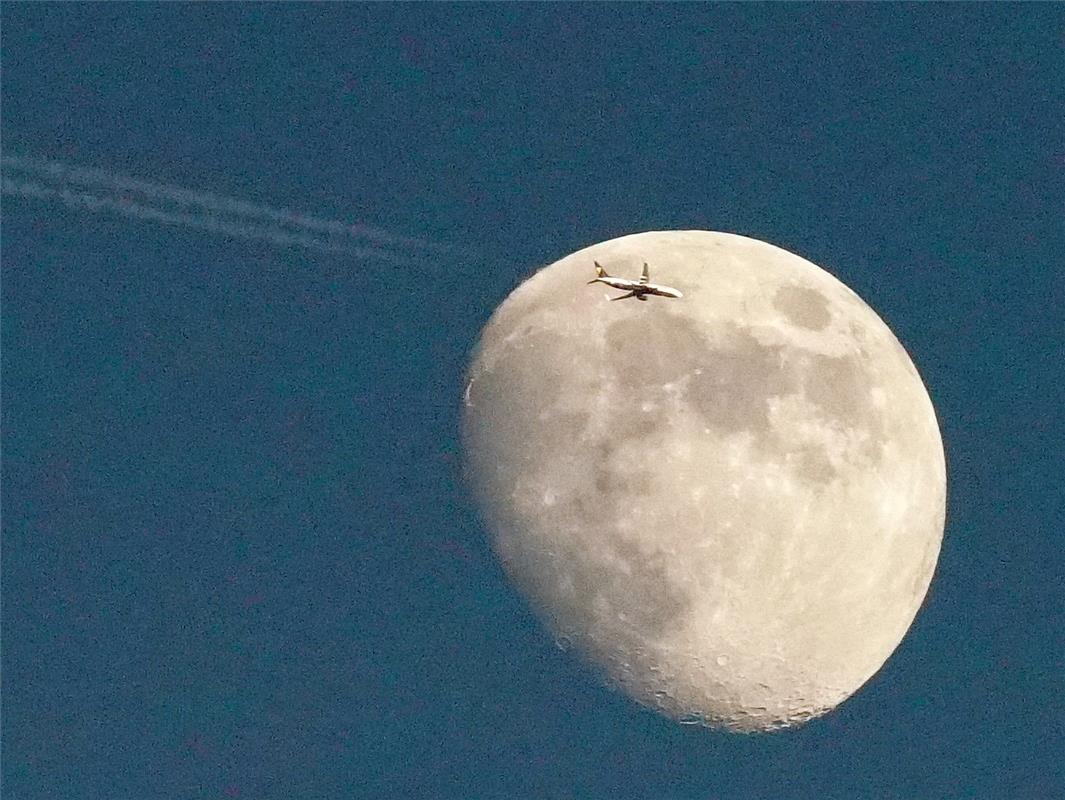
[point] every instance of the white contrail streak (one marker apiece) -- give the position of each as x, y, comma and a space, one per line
104, 192
239, 229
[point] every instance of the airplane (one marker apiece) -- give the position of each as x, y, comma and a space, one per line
638, 289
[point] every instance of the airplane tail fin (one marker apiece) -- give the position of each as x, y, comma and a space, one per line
599, 272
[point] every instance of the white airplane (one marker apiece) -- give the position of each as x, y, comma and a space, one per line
638, 289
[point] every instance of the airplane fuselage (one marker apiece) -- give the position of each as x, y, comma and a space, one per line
639, 290
623, 284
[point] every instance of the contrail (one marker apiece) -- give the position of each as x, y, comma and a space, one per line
242, 229
103, 192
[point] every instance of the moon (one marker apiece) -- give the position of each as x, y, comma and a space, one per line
732, 503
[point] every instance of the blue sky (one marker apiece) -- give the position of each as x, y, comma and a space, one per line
238, 557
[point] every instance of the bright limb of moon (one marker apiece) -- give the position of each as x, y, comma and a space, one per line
731, 503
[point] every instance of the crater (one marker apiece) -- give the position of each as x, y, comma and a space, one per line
512, 417
839, 386
733, 386
814, 466
633, 421
603, 588
629, 591
803, 306
610, 481
611, 484
653, 350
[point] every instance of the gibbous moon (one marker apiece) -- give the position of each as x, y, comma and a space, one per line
731, 503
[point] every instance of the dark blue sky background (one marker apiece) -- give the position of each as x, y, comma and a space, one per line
238, 558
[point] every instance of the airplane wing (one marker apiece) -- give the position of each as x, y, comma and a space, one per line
645, 277
622, 297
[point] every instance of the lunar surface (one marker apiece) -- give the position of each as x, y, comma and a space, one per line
731, 503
